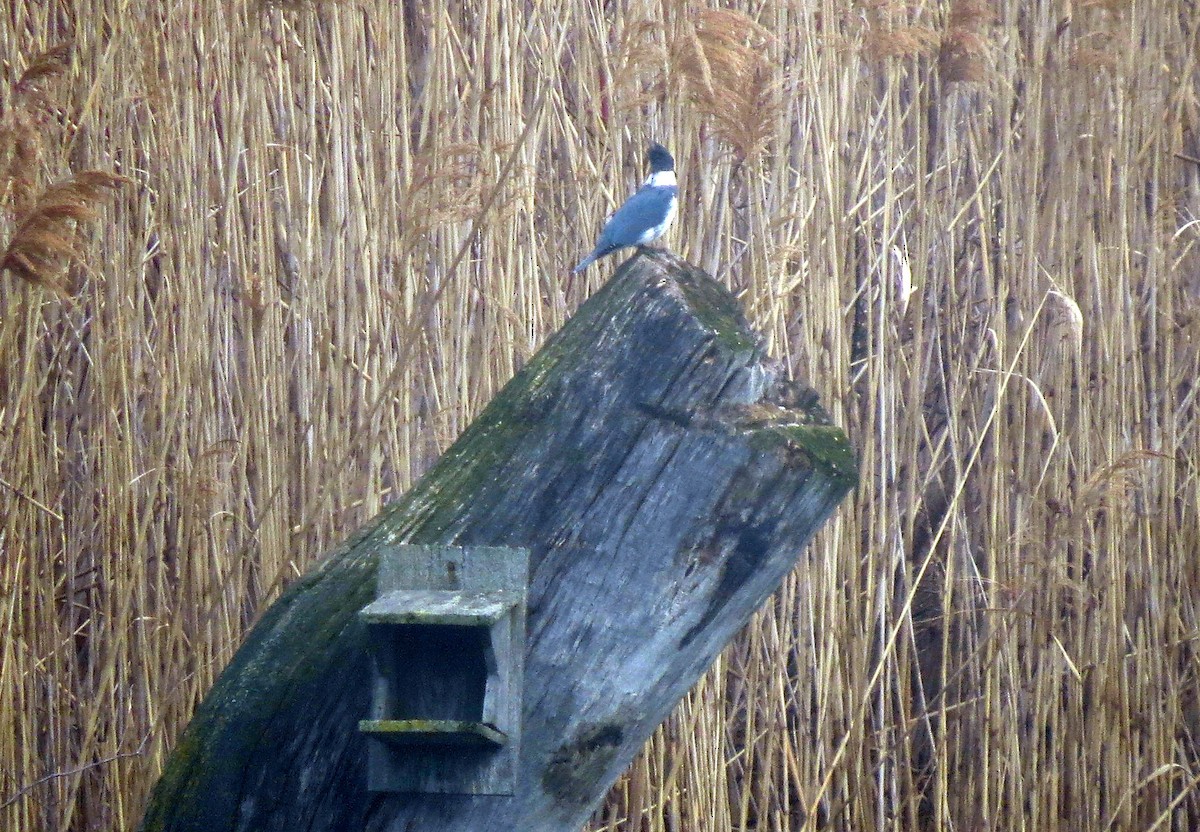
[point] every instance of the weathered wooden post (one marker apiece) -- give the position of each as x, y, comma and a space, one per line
662, 477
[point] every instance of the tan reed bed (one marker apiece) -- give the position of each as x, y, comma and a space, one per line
972, 227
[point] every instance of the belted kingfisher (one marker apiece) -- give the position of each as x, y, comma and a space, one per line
645, 215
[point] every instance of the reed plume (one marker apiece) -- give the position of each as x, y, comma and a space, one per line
46, 240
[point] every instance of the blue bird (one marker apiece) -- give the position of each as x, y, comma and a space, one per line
645, 215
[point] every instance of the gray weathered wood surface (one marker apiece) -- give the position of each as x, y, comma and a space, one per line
448, 633
434, 606
665, 478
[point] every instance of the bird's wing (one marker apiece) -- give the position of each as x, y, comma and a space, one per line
645, 209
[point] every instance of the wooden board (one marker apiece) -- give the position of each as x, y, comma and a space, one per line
433, 732
431, 607
448, 634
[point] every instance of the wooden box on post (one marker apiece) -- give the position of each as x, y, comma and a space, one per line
447, 631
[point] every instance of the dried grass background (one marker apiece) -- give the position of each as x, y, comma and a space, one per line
974, 228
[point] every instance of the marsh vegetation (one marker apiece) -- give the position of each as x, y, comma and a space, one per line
264, 261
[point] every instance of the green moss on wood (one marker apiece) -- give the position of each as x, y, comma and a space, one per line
825, 446
708, 301
446, 732
289, 648
802, 428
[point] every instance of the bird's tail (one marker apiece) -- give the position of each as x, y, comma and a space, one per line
585, 262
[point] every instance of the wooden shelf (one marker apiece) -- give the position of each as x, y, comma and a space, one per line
439, 607
445, 732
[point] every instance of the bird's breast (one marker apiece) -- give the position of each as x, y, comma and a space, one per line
656, 230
